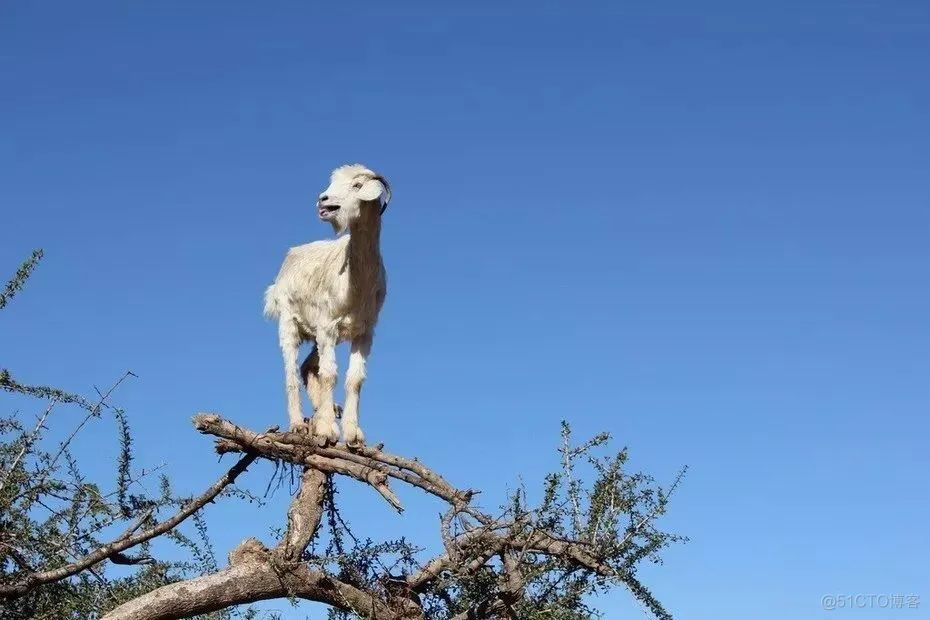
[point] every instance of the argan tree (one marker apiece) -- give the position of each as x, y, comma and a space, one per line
61, 534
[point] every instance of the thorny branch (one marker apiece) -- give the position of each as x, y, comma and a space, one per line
27, 444
128, 539
493, 565
504, 552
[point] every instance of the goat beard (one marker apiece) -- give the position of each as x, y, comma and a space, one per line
338, 227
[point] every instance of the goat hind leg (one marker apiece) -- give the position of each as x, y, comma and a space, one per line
310, 371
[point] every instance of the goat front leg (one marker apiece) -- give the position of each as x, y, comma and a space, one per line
355, 377
324, 420
290, 345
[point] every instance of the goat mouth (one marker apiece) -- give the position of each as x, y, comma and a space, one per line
327, 211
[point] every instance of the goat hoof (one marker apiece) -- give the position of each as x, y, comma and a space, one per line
302, 428
323, 442
326, 433
355, 439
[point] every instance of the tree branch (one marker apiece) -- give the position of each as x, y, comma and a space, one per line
127, 539
303, 517
368, 465
256, 573
27, 443
258, 580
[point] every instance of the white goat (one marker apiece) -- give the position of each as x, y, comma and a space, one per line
331, 291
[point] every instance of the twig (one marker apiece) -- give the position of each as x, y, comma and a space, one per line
125, 542
28, 443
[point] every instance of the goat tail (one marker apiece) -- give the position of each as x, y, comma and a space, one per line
272, 306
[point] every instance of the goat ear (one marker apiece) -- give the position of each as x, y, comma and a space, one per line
373, 189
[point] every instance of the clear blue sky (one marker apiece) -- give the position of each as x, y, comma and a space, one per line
700, 226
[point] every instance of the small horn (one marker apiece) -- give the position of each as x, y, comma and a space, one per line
387, 187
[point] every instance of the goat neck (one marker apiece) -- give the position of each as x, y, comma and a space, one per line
365, 246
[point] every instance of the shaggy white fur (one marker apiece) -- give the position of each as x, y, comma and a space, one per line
329, 292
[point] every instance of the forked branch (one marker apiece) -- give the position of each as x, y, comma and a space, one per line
504, 553
128, 539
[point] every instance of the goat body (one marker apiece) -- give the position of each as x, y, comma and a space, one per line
329, 292
322, 291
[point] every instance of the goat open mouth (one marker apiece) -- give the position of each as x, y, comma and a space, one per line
327, 211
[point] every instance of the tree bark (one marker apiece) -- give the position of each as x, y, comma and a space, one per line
252, 581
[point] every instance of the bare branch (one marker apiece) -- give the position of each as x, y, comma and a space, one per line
258, 580
367, 465
303, 517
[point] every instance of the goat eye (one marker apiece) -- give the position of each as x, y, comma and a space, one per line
357, 185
